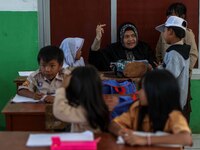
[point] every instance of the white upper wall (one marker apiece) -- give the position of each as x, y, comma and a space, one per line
18, 5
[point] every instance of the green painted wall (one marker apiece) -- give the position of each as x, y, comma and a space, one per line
195, 119
18, 50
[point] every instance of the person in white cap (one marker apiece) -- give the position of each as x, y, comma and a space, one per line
180, 10
72, 52
176, 59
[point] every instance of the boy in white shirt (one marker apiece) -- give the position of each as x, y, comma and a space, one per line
176, 59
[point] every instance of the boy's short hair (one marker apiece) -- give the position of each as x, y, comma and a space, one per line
49, 53
173, 21
179, 32
178, 8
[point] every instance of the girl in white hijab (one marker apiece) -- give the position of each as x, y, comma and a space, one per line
72, 52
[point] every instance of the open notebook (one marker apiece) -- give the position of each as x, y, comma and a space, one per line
36, 140
25, 73
22, 99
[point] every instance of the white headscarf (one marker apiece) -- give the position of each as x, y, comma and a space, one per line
70, 46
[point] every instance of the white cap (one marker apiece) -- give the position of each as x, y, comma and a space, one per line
173, 21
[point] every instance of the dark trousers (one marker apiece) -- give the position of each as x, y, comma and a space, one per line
187, 108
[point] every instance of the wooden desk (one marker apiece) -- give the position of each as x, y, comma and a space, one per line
111, 75
17, 141
104, 76
32, 116
19, 80
25, 116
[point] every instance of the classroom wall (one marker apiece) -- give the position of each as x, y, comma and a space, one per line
19, 44
79, 22
195, 119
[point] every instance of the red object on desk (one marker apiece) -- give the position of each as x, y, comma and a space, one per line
57, 144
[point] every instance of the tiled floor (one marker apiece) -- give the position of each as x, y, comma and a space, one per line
196, 142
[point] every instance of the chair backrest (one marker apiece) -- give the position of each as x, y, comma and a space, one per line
51, 122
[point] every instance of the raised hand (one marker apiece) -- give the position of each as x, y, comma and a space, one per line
100, 31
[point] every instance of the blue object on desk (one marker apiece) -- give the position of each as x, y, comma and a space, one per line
124, 103
118, 87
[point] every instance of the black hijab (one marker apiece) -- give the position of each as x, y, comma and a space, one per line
125, 27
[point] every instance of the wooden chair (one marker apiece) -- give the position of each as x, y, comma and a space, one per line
53, 123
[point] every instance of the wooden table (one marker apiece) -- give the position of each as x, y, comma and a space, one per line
19, 80
31, 116
36, 116
24, 116
17, 141
111, 75
104, 76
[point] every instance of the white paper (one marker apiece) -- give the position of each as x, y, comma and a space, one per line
158, 133
120, 140
36, 140
25, 73
21, 99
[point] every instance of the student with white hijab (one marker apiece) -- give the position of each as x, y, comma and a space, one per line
72, 52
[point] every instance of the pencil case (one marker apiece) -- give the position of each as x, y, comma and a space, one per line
57, 144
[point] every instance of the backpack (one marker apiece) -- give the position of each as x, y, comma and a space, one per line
124, 103
118, 87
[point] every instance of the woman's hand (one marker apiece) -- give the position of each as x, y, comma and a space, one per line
99, 31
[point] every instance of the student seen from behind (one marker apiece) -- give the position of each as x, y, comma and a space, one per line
176, 58
80, 101
158, 109
42, 84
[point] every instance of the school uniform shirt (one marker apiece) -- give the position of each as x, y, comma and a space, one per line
177, 61
189, 39
67, 113
175, 123
36, 82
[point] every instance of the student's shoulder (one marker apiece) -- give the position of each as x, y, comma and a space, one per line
189, 30
189, 33
135, 106
35, 73
67, 70
179, 122
177, 115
